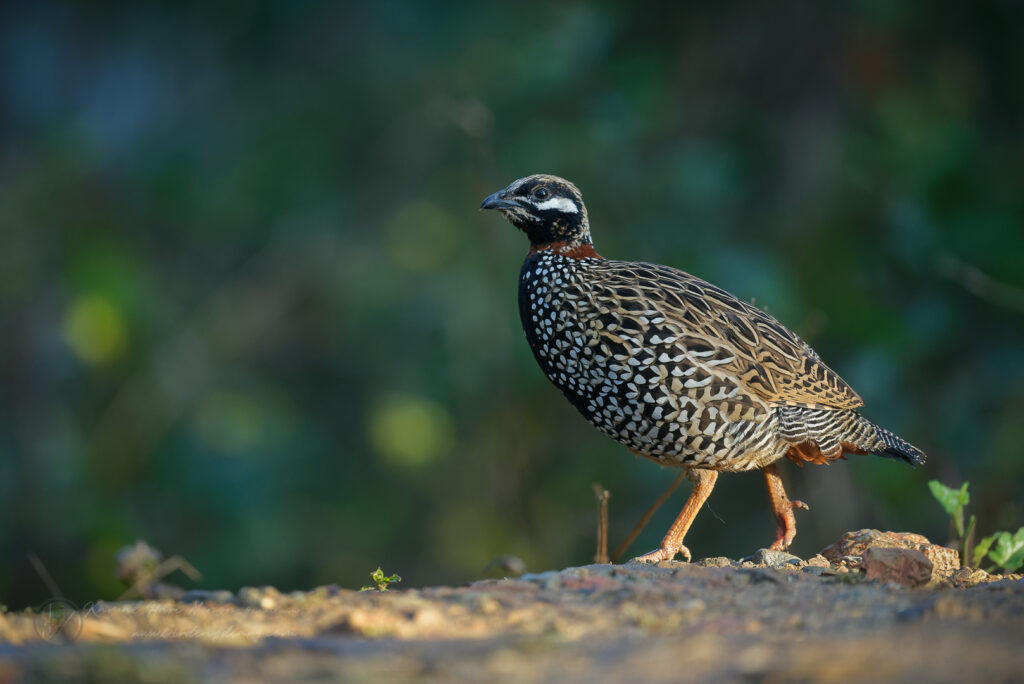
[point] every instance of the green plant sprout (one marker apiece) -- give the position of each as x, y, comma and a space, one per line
1005, 549
953, 502
1008, 552
381, 581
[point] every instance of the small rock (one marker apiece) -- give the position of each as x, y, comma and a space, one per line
816, 570
253, 597
716, 562
818, 561
855, 543
774, 559
908, 567
945, 561
968, 577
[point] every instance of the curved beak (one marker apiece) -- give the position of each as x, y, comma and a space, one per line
496, 201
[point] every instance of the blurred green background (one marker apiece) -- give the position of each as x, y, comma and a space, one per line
250, 312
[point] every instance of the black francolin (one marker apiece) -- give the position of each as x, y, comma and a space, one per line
674, 368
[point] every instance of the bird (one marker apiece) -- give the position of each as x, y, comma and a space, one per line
676, 369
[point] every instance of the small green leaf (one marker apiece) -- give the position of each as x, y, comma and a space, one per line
947, 497
952, 501
1009, 550
381, 581
980, 549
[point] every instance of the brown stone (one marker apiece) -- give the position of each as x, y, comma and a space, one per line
944, 561
969, 577
908, 567
818, 561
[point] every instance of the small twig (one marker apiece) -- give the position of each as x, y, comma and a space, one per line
647, 517
45, 575
142, 584
602, 495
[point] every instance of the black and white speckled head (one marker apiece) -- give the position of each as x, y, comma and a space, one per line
548, 209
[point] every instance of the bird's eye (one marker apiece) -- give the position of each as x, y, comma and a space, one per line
541, 193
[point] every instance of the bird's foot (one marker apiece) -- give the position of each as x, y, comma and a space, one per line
787, 526
664, 553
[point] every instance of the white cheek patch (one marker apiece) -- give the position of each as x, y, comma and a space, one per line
563, 204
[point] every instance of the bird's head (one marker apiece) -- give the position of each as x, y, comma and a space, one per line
548, 209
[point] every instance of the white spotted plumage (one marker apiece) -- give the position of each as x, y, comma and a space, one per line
674, 368
665, 389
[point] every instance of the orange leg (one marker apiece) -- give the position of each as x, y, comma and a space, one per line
782, 507
703, 483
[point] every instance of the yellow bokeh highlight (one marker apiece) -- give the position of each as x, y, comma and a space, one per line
411, 431
95, 330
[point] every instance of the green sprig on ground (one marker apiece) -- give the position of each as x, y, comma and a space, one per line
1005, 549
381, 581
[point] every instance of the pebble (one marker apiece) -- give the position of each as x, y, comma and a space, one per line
774, 559
258, 597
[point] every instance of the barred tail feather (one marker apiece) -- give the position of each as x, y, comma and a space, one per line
820, 435
892, 446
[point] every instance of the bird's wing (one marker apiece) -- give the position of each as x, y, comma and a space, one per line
765, 356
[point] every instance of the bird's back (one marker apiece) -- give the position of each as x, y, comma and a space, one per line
671, 366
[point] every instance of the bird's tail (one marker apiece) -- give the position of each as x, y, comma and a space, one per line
872, 439
889, 445
819, 435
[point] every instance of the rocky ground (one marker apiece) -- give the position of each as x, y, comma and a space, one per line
875, 606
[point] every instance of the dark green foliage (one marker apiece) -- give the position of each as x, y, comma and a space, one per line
250, 312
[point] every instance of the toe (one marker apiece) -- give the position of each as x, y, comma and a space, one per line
661, 554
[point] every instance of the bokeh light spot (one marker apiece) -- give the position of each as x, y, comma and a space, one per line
95, 330
411, 431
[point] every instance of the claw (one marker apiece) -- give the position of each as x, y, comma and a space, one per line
800, 504
663, 553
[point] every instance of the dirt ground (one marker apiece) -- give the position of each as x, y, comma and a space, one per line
777, 619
